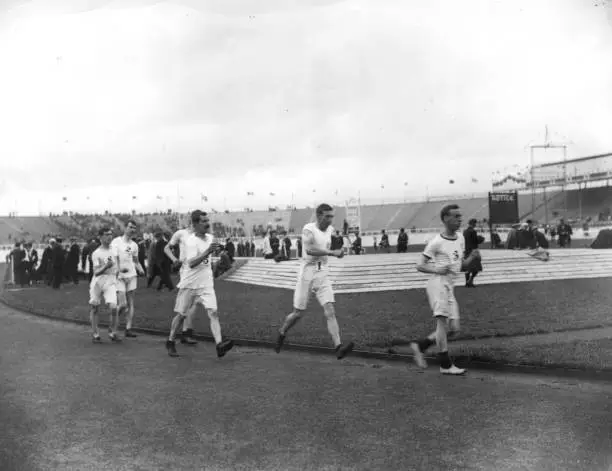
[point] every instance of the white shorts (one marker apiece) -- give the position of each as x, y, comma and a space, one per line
125, 285
441, 296
314, 281
187, 298
98, 290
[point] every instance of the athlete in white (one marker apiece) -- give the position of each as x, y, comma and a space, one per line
179, 238
197, 284
443, 258
129, 268
104, 285
313, 277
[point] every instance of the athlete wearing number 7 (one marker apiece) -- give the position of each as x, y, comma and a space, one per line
313, 277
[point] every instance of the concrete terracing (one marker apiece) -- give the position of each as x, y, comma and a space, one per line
398, 271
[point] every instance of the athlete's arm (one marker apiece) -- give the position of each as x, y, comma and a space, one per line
173, 242
195, 261
101, 268
308, 240
424, 265
139, 269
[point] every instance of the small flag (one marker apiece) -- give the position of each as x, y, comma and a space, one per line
336, 193
203, 197
382, 187
133, 197
64, 198
250, 193
159, 197
314, 191
272, 194
451, 181
474, 180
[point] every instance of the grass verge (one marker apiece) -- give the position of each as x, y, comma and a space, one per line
374, 320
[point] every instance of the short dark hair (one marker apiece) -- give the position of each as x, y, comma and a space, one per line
322, 208
101, 232
131, 221
447, 209
473, 221
196, 215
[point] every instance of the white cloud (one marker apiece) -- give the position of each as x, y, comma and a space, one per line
239, 93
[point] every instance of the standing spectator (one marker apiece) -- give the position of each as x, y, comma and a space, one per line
31, 260
230, 248
337, 241
17, 258
565, 233
299, 246
274, 244
357, 244
286, 246
46, 267
345, 227
252, 247
384, 241
472, 241
402, 241
240, 248
58, 260
375, 245
159, 264
72, 261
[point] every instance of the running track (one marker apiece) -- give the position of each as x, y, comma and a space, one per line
68, 404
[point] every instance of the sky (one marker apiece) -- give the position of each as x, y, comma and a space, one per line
312, 100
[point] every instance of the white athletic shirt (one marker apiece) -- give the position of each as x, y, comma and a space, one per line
200, 276
445, 252
180, 238
99, 259
126, 251
322, 241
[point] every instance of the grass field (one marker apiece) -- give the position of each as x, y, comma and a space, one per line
374, 320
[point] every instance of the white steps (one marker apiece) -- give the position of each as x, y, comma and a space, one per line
387, 272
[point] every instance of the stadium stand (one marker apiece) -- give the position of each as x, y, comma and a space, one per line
419, 216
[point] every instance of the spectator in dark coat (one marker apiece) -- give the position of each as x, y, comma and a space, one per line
72, 261
58, 260
230, 248
31, 261
17, 257
159, 263
472, 241
402, 241
46, 267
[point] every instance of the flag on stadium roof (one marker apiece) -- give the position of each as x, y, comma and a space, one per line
250, 193
134, 197
474, 180
272, 194
451, 181
203, 197
64, 198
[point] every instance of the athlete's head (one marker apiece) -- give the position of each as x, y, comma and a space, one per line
200, 221
105, 234
325, 216
131, 228
451, 217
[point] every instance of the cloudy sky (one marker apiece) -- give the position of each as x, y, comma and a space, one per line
115, 99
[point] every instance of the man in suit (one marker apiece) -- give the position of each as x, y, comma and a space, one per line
17, 257
159, 263
31, 261
58, 259
472, 241
72, 261
402, 241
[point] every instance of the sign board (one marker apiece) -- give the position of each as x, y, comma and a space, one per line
503, 207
